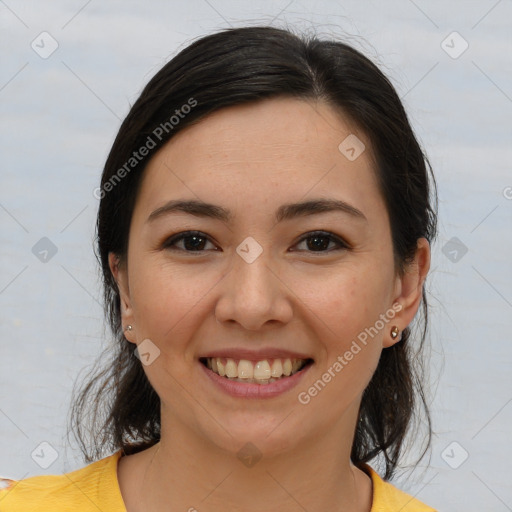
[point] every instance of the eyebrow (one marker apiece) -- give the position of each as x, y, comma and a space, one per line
284, 212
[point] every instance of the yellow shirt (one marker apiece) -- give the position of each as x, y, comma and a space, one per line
95, 487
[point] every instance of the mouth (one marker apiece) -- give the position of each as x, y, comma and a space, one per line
263, 371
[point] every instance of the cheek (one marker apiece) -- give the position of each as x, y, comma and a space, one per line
341, 318
343, 310
171, 302
166, 300
345, 300
168, 304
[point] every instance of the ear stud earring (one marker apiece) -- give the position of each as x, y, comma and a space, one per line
394, 332
128, 328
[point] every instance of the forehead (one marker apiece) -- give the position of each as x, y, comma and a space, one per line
264, 152
290, 127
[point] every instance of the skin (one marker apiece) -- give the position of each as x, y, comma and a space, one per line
251, 159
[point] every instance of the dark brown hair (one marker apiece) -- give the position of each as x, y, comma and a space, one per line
117, 408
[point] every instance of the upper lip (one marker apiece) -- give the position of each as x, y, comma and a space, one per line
256, 355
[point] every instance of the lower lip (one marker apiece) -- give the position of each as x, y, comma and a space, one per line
251, 390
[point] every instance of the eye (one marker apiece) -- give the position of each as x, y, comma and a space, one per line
196, 241
193, 241
319, 241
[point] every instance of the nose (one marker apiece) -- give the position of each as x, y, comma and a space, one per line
253, 295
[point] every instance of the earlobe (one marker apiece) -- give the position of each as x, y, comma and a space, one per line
119, 272
395, 333
409, 291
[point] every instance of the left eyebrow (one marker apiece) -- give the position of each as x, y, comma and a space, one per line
284, 212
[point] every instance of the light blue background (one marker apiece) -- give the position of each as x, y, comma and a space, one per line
58, 119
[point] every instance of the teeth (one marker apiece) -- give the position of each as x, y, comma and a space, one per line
296, 364
262, 372
231, 369
277, 368
245, 369
220, 367
287, 367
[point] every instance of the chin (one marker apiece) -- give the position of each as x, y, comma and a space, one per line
268, 438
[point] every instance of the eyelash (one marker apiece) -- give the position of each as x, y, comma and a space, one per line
170, 242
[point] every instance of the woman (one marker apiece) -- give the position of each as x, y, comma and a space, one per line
264, 233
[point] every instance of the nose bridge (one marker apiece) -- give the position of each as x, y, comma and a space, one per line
254, 277
252, 294
253, 284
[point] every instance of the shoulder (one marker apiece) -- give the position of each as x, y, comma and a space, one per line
91, 488
388, 498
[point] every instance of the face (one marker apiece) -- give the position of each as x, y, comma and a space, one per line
257, 275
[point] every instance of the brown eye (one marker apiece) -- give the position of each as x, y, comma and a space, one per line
319, 241
193, 241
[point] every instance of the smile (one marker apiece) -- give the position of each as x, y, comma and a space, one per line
262, 372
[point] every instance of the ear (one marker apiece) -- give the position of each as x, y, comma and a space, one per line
409, 289
120, 272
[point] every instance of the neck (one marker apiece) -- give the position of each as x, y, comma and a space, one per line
186, 472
